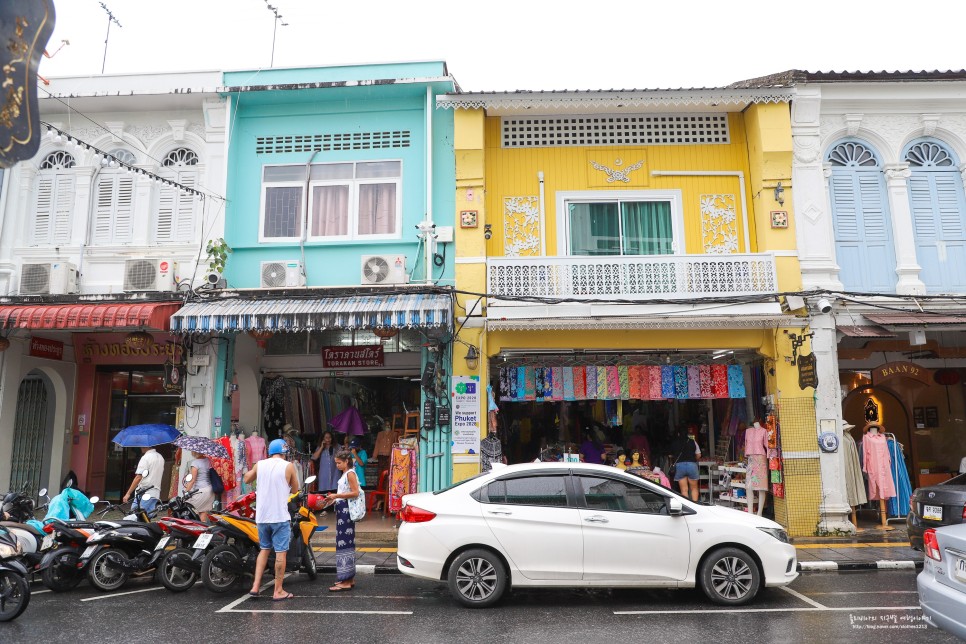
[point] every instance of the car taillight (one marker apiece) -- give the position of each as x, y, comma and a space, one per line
964, 513
931, 545
412, 514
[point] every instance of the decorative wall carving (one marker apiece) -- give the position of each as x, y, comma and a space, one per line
618, 173
806, 148
897, 172
719, 224
147, 132
197, 129
521, 226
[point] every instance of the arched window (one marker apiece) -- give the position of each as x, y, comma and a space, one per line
54, 203
114, 205
176, 208
936, 201
864, 248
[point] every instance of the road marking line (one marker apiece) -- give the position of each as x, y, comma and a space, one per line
760, 610
328, 612
38, 592
129, 592
805, 599
871, 592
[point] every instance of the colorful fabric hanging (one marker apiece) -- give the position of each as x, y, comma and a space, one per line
719, 381
680, 382
778, 490
504, 383
580, 383
694, 382
704, 376
624, 376
591, 382
538, 382
558, 383
521, 384
530, 384
667, 381
736, 381
602, 385
635, 382
568, 383
613, 382
654, 383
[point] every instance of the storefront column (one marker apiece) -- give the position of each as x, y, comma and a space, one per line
907, 266
834, 508
202, 401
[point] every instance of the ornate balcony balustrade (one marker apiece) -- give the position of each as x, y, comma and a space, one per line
653, 277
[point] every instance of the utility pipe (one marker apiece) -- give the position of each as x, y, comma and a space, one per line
428, 232
543, 217
716, 173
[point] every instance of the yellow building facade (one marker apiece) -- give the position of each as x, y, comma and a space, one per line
638, 235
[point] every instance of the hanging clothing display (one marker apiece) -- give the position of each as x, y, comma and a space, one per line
255, 450
491, 451
877, 463
899, 505
402, 473
854, 484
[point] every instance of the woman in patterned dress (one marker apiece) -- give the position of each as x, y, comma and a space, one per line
345, 529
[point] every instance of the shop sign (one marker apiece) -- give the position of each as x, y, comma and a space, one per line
807, 374
44, 348
891, 370
466, 414
350, 357
110, 348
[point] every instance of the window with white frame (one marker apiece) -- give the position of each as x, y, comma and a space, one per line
176, 207
352, 200
54, 203
625, 223
114, 202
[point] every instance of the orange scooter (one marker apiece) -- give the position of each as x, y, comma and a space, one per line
233, 558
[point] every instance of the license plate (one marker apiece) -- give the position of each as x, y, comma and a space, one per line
932, 512
88, 552
203, 541
47, 542
161, 544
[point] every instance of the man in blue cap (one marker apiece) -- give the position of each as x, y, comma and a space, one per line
275, 480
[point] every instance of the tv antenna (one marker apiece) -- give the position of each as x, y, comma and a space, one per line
110, 19
278, 19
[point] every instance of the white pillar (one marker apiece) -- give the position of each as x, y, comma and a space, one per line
834, 507
907, 266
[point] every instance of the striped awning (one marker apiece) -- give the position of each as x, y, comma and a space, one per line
315, 314
80, 315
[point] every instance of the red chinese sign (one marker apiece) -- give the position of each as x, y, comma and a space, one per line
362, 356
44, 348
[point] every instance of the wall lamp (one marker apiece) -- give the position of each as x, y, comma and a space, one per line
472, 358
780, 194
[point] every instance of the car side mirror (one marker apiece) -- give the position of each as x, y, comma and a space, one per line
43, 492
674, 506
95, 499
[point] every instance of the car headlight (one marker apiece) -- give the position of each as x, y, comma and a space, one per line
7, 550
778, 533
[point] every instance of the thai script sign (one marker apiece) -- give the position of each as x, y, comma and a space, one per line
361, 356
44, 348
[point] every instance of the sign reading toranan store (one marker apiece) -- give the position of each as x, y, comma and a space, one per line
348, 357
892, 370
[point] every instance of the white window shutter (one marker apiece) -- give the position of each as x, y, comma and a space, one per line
103, 211
124, 210
44, 211
184, 225
167, 205
63, 208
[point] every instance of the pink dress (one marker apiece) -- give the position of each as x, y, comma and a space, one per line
877, 463
756, 447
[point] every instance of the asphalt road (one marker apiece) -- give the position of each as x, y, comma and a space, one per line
853, 607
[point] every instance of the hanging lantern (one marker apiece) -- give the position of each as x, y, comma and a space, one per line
385, 332
946, 377
261, 336
4, 344
139, 339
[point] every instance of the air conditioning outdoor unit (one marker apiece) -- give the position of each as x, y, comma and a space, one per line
52, 278
150, 274
384, 269
282, 274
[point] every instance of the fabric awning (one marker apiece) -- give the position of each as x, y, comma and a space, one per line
84, 315
310, 314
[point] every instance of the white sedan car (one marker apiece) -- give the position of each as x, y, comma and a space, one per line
581, 525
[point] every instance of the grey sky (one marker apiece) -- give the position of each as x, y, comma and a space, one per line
521, 44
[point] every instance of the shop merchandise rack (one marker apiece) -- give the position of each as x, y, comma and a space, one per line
708, 485
736, 474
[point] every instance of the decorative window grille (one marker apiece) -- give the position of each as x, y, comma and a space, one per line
176, 208
124, 156
650, 129
180, 157
332, 142
852, 155
929, 155
58, 160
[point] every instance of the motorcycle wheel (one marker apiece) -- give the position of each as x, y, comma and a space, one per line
172, 577
14, 595
100, 573
62, 574
309, 565
214, 577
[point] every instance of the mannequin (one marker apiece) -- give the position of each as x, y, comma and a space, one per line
756, 450
619, 463
877, 463
636, 459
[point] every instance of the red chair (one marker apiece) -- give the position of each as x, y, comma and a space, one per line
381, 491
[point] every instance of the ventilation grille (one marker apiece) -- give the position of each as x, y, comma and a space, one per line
651, 129
273, 274
140, 275
35, 279
332, 142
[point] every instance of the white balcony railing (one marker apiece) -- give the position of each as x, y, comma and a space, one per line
632, 278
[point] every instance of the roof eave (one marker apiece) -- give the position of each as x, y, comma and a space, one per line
739, 99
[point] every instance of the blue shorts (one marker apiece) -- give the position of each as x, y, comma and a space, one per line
274, 536
686, 470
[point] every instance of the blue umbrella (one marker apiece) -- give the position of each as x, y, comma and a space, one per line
146, 435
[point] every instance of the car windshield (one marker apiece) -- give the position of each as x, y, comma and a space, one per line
459, 483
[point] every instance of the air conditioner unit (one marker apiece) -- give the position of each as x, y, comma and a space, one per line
384, 269
53, 278
149, 274
282, 274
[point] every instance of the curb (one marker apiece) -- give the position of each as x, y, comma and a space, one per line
836, 566
362, 569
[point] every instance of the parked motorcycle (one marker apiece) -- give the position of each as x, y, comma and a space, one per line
14, 588
193, 559
173, 573
228, 562
19, 509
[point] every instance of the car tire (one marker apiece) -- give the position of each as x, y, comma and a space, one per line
730, 577
477, 578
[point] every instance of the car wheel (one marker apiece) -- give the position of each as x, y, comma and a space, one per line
477, 578
730, 576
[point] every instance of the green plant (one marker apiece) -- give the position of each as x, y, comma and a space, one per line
218, 251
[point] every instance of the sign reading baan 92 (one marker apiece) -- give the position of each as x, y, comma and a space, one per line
360, 356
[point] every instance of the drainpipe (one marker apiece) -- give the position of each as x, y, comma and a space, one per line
543, 217
716, 173
305, 215
428, 226
90, 218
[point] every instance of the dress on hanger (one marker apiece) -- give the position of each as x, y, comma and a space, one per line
854, 483
878, 465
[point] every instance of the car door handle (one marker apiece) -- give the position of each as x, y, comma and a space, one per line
502, 512
595, 519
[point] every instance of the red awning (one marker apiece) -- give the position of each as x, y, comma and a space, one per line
112, 315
